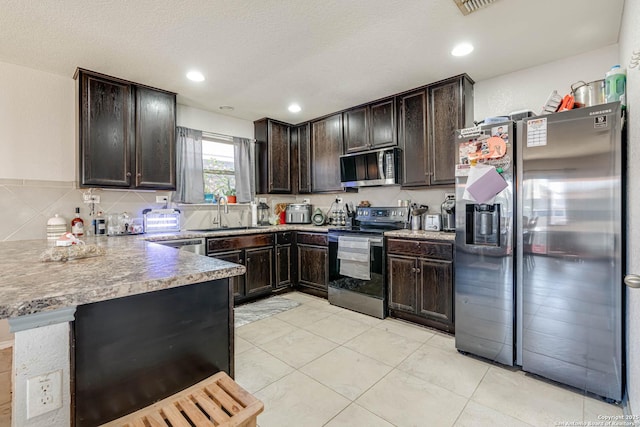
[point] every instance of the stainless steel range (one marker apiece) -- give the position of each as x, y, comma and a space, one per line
357, 276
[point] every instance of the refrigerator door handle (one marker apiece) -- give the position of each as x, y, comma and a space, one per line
632, 281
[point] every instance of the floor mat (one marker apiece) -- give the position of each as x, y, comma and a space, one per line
262, 309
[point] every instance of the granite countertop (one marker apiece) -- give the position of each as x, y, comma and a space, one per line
192, 234
129, 266
422, 234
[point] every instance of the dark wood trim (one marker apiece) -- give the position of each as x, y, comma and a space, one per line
123, 81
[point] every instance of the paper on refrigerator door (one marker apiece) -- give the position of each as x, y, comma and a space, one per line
483, 184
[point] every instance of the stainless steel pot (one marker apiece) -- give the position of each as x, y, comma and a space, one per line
588, 94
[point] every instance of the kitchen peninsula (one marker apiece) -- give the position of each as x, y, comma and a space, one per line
139, 305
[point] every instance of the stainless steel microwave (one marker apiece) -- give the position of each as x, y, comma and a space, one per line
368, 168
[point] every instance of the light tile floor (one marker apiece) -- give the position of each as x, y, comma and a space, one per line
320, 365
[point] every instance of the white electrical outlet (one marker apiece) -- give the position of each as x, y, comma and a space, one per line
162, 199
90, 198
44, 393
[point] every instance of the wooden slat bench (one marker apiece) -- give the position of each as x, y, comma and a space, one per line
215, 402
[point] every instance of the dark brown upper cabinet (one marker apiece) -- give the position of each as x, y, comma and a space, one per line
450, 108
371, 126
302, 136
428, 118
326, 148
127, 134
155, 139
273, 141
412, 130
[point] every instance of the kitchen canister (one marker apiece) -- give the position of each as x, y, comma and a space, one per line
56, 227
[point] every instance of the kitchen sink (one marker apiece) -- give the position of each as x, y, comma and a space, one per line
207, 230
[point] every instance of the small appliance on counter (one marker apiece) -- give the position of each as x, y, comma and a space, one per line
318, 217
431, 222
449, 213
298, 213
263, 213
159, 220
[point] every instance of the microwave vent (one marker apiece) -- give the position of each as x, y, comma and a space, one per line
470, 6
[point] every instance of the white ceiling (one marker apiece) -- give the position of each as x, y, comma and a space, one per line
260, 55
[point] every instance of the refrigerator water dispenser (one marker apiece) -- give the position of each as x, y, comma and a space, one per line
483, 224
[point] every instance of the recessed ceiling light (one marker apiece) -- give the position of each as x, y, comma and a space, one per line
295, 108
462, 49
195, 76
226, 107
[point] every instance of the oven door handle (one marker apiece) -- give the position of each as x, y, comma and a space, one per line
374, 241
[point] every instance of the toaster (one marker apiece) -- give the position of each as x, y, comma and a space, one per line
431, 222
298, 213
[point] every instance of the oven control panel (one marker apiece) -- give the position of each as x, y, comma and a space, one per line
382, 214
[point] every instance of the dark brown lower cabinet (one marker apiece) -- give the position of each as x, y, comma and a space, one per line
259, 276
313, 262
237, 282
284, 258
420, 278
255, 252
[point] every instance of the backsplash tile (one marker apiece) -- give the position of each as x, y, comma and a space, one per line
26, 205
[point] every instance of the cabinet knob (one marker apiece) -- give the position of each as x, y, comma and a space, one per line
128, 174
139, 175
417, 270
413, 269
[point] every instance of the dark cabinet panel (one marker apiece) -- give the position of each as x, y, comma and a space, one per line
420, 277
274, 156
155, 139
413, 137
131, 352
304, 158
313, 266
283, 266
428, 119
106, 138
326, 147
356, 135
449, 111
127, 134
402, 283
317, 239
435, 290
371, 126
255, 252
237, 282
238, 242
382, 123
259, 277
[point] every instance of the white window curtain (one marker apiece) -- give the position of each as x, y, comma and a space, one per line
189, 174
244, 153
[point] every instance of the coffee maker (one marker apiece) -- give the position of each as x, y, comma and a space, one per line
448, 209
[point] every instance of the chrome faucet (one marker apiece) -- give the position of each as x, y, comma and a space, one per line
226, 209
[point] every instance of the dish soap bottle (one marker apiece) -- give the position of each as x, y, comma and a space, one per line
77, 224
615, 83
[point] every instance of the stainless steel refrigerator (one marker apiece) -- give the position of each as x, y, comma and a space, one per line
564, 274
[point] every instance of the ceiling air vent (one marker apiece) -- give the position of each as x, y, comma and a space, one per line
469, 6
